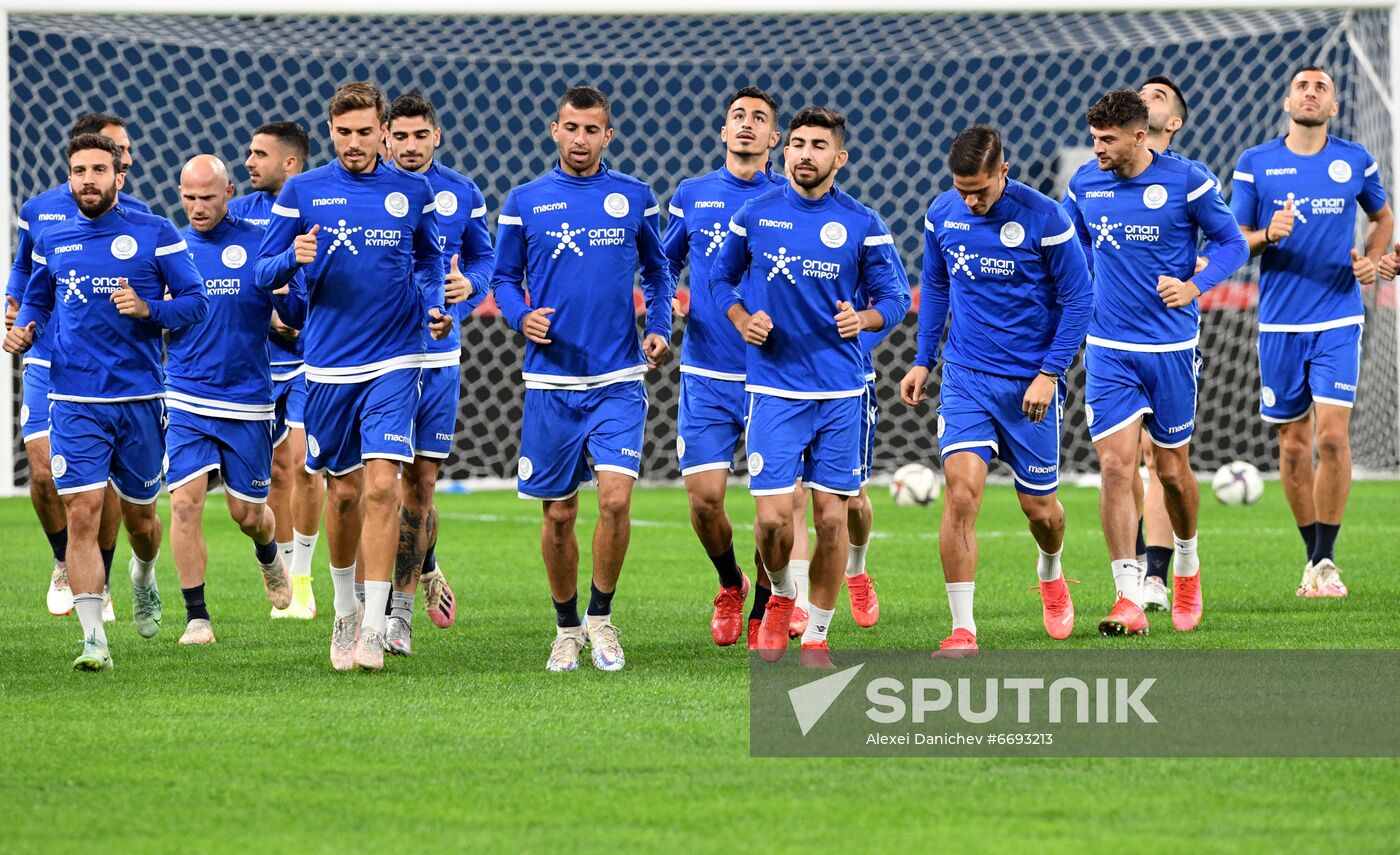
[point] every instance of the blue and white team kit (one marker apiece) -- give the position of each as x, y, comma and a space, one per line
1310, 308
796, 259
1133, 231
107, 380
377, 246
713, 403
49, 208
218, 377
1017, 284
578, 242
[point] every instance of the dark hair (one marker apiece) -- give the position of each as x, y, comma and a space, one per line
1316, 68
586, 98
820, 117
93, 123
1121, 108
753, 92
359, 95
975, 151
413, 105
85, 142
1163, 80
289, 134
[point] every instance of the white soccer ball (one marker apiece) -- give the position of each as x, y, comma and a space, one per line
1237, 483
914, 484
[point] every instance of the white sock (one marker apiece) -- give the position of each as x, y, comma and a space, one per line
376, 601
89, 608
575, 631
855, 559
1047, 566
285, 550
819, 623
799, 571
303, 547
596, 620
960, 604
782, 582
144, 572
343, 581
1186, 562
1127, 575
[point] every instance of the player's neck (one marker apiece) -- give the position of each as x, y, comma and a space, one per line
745, 166
587, 172
1302, 139
1142, 158
1159, 142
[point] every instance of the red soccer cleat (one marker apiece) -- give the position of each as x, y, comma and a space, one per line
1125, 619
960, 645
1186, 602
773, 634
728, 619
754, 624
865, 605
1057, 609
798, 625
815, 654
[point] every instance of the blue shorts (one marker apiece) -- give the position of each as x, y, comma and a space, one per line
349, 423
289, 399
34, 412
981, 413
240, 450
871, 405
122, 441
436, 420
711, 421
817, 442
609, 423
1297, 369
1121, 385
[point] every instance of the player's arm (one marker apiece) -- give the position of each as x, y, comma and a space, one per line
477, 260
882, 278
933, 317
508, 279
1244, 202
35, 308
290, 302
657, 285
1074, 292
1379, 231
20, 270
1217, 222
186, 302
428, 270
675, 241
280, 257
727, 272
1071, 206
1209, 249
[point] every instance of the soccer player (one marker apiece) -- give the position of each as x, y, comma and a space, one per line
116, 278
53, 206
1166, 116
1004, 258
1139, 214
365, 236
1296, 198
218, 388
277, 151
577, 236
804, 253
414, 136
712, 403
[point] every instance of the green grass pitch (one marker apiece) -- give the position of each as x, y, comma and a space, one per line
255, 744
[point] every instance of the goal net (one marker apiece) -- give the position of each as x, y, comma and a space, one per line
908, 83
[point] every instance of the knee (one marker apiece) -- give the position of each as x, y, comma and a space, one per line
960, 501
559, 517
247, 514
342, 497
84, 519
771, 522
1175, 473
40, 475
1041, 511
830, 523
1332, 443
614, 504
1294, 447
858, 507
707, 508
144, 525
382, 492
185, 509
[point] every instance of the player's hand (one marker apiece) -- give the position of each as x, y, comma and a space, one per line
536, 326
657, 350
458, 287
19, 339
129, 303
1388, 267
847, 319
1201, 264
289, 333
439, 324
1036, 403
913, 389
1363, 268
305, 245
1281, 226
757, 328
676, 308
11, 312
1176, 293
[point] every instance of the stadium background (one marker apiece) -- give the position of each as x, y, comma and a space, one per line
906, 82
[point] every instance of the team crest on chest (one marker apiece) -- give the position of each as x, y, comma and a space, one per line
616, 205
1154, 196
834, 235
234, 257
1012, 233
397, 204
1339, 171
446, 203
124, 246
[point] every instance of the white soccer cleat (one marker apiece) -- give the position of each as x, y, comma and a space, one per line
198, 631
1329, 580
564, 653
607, 652
1154, 595
1308, 587
277, 581
60, 596
108, 614
345, 633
